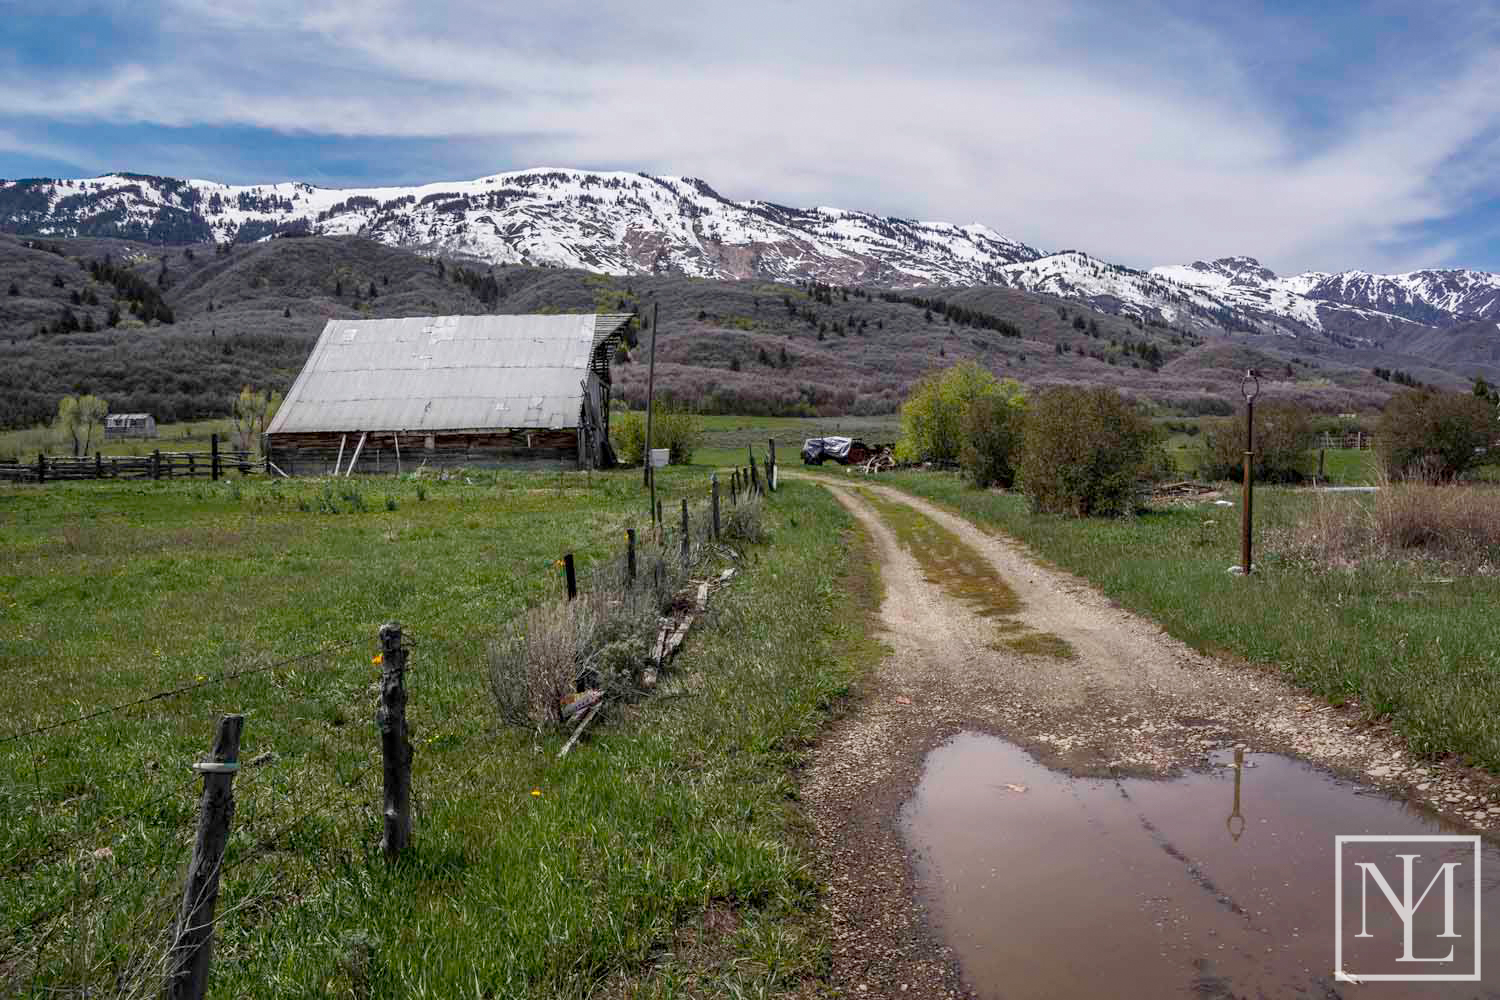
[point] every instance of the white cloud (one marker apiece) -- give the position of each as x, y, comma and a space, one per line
1135, 135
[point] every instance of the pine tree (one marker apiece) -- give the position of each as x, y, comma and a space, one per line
75, 298
765, 358
785, 361
734, 363
15, 289
338, 286
286, 312
113, 319
57, 282
373, 292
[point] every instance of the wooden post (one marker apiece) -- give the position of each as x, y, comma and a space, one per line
650, 402
713, 492
41, 467
193, 934
734, 488
192, 465
98, 465
771, 466
572, 579
686, 538
395, 748
659, 522
754, 476
1322, 455
213, 456
630, 553
156, 464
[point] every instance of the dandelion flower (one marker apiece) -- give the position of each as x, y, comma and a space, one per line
537, 792
377, 658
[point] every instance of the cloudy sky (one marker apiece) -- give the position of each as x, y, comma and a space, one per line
1326, 135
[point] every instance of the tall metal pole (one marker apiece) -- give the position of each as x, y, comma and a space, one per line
651, 405
1249, 388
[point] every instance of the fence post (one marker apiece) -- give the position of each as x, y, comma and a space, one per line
395, 748
630, 553
193, 933
192, 465
572, 579
686, 539
659, 521
41, 467
734, 488
771, 466
713, 490
213, 456
1322, 454
156, 464
98, 465
754, 476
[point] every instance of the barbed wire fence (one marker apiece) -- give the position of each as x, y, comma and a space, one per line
124, 900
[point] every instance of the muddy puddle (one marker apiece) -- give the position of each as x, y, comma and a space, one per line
1047, 885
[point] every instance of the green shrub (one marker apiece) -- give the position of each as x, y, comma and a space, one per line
1433, 436
1085, 452
672, 427
992, 428
933, 413
1283, 445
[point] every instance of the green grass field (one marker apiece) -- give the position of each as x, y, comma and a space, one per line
1408, 641
527, 876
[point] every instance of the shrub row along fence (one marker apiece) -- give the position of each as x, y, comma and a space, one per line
210, 464
137, 925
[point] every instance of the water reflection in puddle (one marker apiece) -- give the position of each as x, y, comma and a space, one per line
1051, 886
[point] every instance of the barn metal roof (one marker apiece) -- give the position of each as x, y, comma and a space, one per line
447, 373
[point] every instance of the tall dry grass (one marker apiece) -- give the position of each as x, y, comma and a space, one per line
1454, 523
606, 636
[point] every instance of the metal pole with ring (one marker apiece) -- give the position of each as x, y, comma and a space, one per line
1249, 388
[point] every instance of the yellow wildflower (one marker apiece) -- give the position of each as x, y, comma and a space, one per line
377, 658
537, 792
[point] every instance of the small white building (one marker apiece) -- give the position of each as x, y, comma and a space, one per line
129, 425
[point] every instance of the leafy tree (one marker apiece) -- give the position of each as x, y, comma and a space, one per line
91, 411
993, 425
253, 411
1085, 452
1432, 435
1283, 445
932, 415
68, 421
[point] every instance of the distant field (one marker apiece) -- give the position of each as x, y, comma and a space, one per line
726, 437
528, 877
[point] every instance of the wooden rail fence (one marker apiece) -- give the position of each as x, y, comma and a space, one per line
209, 464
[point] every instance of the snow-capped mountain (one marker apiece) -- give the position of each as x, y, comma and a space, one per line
620, 223
626, 223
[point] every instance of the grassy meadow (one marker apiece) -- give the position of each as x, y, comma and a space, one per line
1413, 640
660, 858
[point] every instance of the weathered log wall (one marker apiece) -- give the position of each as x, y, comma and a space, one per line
315, 454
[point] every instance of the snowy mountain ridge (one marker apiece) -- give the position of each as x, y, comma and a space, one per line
629, 223
614, 222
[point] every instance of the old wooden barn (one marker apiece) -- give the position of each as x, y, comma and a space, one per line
393, 395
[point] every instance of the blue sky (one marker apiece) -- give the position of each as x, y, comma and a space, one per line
1327, 136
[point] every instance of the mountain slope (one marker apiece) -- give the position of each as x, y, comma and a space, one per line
616, 223
627, 224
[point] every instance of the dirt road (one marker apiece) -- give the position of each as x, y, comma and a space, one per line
1123, 698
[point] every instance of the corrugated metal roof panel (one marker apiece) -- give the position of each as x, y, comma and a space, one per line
446, 373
